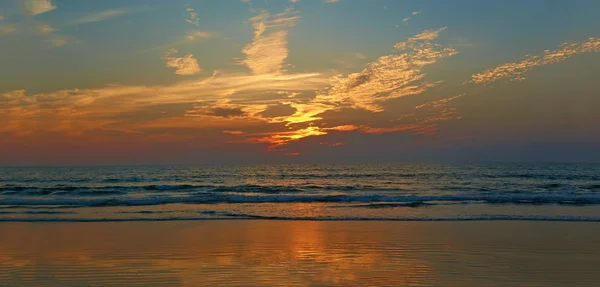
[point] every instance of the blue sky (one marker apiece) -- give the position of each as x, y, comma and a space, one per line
263, 81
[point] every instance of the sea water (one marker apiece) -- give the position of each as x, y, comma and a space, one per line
502, 191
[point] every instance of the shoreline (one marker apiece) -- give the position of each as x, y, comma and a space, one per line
259, 218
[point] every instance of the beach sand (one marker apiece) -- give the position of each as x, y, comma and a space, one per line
300, 253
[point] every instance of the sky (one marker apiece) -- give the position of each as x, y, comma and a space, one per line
304, 81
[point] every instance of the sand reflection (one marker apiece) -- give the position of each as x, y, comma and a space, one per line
230, 253
299, 253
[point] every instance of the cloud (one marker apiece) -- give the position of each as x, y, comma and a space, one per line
331, 1
391, 76
278, 139
289, 107
76, 112
234, 132
360, 56
2, 18
218, 111
105, 15
6, 29
58, 41
416, 128
193, 35
36, 7
437, 111
193, 17
187, 38
420, 40
350, 60
185, 66
44, 28
516, 71
416, 13
344, 128
268, 50
439, 103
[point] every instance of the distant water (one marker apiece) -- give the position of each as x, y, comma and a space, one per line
561, 192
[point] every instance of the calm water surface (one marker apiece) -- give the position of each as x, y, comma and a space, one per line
300, 253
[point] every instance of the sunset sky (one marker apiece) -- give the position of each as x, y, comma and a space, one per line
253, 81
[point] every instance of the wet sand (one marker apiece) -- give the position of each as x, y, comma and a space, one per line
300, 253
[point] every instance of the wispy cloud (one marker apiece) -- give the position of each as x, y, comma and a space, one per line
36, 7
350, 60
268, 50
193, 16
185, 66
234, 132
278, 139
189, 36
331, 1
105, 15
6, 29
360, 56
439, 103
78, 111
58, 41
289, 107
44, 28
391, 76
193, 35
517, 71
405, 20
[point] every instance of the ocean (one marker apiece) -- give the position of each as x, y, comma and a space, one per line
402, 192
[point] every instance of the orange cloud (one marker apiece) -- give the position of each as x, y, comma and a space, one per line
233, 104
278, 139
186, 65
344, 128
391, 76
234, 132
439, 103
268, 50
417, 128
516, 71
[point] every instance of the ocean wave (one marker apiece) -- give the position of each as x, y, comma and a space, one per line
386, 187
147, 212
45, 212
209, 198
123, 189
213, 215
592, 187
388, 205
537, 176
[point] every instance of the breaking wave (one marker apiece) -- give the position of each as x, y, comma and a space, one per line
391, 200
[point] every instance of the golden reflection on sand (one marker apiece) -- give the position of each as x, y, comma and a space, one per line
232, 253
296, 253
